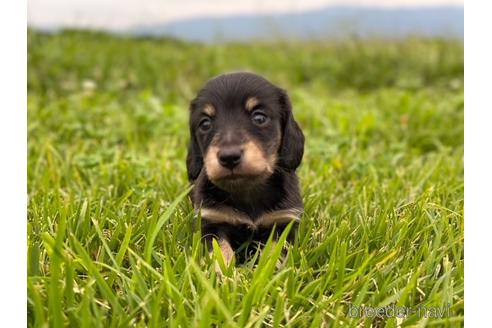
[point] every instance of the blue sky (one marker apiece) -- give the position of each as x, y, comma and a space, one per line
124, 14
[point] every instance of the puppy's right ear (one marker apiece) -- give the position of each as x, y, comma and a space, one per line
194, 159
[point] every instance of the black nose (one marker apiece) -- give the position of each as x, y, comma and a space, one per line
230, 157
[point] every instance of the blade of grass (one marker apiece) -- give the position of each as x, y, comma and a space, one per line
164, 217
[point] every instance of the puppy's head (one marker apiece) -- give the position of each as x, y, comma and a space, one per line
242, 130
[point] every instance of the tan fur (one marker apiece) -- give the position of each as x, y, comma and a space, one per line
209, 110
225, 215
227, 254
279, 217
251, 103
226, 249
253, 163
212, 166
233, 217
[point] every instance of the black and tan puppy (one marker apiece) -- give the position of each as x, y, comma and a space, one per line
244, 150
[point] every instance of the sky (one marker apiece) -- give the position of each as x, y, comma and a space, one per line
124, 14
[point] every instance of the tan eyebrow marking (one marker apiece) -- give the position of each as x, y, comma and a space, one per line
251, 103
209, 110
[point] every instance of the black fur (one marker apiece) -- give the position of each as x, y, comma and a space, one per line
292, 148
232, 125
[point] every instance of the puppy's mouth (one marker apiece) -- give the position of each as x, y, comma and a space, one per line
234, 172
235, 180
238, 176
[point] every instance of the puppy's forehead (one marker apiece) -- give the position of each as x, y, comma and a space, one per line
234, 89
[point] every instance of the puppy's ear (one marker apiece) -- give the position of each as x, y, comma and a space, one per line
194, 159
292, 146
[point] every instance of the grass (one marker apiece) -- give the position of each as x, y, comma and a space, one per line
110, 239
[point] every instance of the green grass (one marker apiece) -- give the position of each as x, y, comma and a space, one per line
110, 238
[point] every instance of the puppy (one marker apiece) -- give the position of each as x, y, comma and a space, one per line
245, 147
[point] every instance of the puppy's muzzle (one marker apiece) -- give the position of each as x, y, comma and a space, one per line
230, 156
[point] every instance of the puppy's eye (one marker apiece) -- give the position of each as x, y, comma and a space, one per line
205, 124
259, 118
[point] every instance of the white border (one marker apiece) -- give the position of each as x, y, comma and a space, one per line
478, 127
13, 150
478, 163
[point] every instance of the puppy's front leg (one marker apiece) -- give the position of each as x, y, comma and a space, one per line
226, 249
222, 240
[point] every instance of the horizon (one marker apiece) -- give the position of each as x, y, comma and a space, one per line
123, 15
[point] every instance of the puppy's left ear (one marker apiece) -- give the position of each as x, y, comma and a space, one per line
292, 146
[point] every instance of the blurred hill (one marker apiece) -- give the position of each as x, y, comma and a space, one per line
336, 21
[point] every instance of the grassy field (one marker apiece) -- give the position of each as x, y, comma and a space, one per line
110, 240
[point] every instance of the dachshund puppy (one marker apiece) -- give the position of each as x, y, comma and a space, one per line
244, 149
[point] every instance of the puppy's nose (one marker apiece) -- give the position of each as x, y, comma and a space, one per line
230, 157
